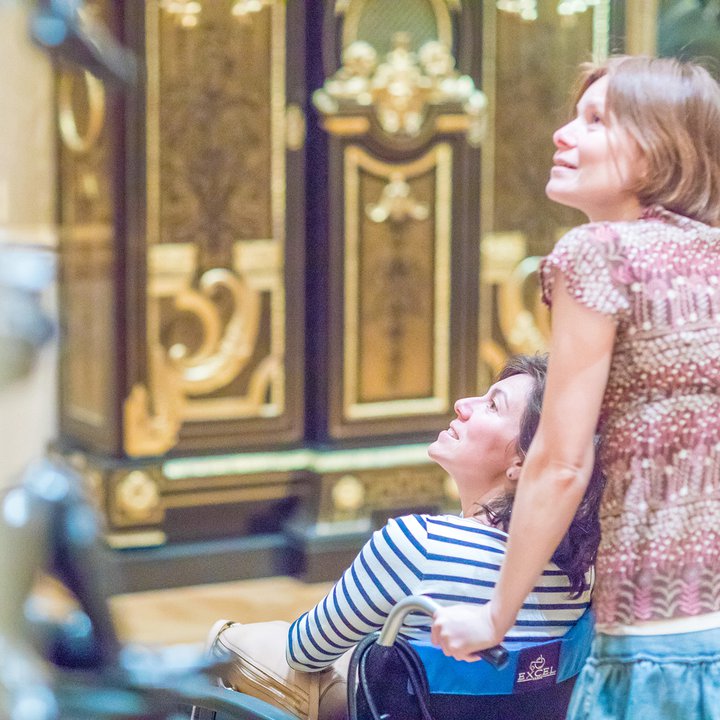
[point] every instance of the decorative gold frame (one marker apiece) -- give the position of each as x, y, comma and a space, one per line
356, 159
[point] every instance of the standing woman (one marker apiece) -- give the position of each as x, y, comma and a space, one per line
635, 298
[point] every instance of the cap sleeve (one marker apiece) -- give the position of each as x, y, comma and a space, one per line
596, 273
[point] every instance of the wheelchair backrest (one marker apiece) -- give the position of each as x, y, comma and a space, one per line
530, 666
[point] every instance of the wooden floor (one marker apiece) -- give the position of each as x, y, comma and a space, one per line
184, 615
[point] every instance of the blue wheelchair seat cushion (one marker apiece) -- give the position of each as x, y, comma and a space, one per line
530, 667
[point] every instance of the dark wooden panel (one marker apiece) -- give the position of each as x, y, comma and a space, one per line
91, 209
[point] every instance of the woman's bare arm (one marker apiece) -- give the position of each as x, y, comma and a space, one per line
553, 478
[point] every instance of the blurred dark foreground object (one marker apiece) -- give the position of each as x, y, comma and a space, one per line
68, 30
74, 667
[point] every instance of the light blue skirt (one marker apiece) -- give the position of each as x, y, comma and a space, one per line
658, 677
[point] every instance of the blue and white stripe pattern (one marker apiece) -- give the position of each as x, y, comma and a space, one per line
447, 558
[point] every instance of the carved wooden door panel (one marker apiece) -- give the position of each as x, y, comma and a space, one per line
224, 231
404, 125
208, 278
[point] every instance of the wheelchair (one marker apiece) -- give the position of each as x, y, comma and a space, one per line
394, 679
391, 678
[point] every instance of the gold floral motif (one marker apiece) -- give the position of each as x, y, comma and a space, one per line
396, 204
137, 496
348, 494
401, 90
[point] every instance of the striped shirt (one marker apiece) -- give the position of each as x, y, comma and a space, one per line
447, 558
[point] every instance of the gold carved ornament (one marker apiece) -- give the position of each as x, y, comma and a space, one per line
400, 92
153, 422
137, 497
396, 205
67, 118
221, 355
522, 320
348, 494
220, 308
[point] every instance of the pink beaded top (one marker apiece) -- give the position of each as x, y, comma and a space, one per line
659, 277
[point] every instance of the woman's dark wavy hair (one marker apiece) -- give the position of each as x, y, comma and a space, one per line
577, 550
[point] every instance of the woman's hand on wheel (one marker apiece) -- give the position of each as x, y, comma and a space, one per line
461, 630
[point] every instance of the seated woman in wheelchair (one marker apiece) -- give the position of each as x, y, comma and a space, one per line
448, 558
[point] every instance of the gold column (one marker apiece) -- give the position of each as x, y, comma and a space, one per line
641, 27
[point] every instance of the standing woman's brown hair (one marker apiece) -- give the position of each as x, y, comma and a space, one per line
671, 109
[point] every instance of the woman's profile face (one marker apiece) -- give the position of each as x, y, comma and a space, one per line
480, 443
595, 162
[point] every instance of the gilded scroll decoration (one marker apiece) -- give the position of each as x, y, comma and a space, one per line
402, 90
222, 354
72, 138
219, 319
509, 295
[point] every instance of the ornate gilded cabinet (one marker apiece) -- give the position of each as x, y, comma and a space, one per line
284, 255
